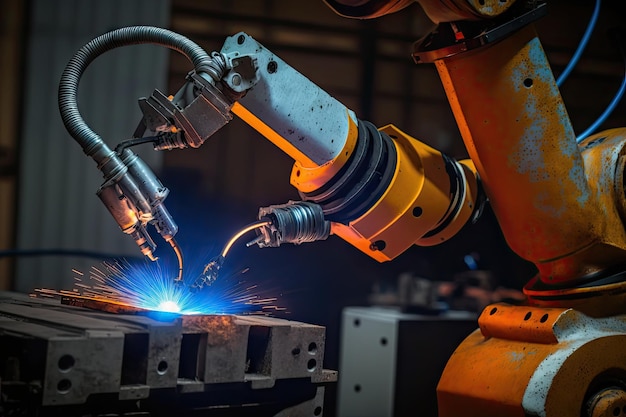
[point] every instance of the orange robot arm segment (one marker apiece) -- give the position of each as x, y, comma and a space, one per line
382, 190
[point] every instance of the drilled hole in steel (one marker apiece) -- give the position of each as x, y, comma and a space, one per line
528, 82
162, 367
544, 318
272, 66
295, 351
383, 341
357, 388
312, 347
66, 362
311, 364
527, 316
317, 411
297, 173
417, 211
378, 245
356, 322
64, 386
241, 39
493, 311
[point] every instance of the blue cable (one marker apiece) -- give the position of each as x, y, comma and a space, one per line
614, 102
581, 46
471, 263
607, 112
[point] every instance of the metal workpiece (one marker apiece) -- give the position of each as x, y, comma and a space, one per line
58, 358
268, 349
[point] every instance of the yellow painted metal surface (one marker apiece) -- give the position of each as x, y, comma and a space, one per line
307, 178
468, 206
530, 361
516, 129
489, 372
271, 135
416, 201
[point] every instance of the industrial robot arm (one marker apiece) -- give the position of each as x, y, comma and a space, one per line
560, 204
379, 189
383, 191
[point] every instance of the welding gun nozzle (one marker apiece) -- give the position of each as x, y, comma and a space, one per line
209, 274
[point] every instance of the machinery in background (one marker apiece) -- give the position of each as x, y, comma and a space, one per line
406, 337
390, 361
559, 199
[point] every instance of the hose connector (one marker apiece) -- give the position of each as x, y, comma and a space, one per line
294, 222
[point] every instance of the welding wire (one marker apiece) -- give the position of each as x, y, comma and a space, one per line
179, 255
246, 229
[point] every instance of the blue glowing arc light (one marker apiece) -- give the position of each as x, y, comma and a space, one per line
150, 286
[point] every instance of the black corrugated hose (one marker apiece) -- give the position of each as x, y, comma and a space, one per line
133, 35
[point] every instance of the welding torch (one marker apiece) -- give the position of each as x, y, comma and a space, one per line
294, 222
131, 191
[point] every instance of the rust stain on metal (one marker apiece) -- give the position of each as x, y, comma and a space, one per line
220, 328
522, 143
108, 306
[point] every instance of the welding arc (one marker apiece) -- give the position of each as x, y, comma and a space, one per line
252, 226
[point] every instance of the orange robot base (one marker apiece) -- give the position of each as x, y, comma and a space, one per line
523, 361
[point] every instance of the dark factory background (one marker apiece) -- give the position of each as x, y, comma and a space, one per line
219, 187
